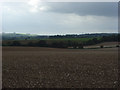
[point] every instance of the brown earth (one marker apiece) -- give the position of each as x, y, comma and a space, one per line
29, 67
109, 43
105, 44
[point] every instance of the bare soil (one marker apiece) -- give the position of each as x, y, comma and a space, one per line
35, 67
105, 44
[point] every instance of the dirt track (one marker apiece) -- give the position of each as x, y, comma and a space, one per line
28, 67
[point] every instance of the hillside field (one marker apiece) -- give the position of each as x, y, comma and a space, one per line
38, 67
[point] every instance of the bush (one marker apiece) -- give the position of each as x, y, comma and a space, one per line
30, 44
16, 43
101, 46
80, 46
60, 44
41, 43
117, 46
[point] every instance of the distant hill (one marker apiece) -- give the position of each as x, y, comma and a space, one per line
83, 35
18, 36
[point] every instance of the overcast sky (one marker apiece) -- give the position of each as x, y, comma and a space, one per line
60, 17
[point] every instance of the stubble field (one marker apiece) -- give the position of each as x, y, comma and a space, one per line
35, 67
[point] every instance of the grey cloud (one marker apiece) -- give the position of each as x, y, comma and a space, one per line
85, 8
54, 21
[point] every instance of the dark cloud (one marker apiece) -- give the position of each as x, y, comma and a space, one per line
54, 18
86, 8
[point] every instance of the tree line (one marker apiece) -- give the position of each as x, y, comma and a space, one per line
65, 43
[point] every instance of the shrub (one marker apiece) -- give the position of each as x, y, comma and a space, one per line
16, 43
80, 46
30, 44
41, 43
117, 46
101, 46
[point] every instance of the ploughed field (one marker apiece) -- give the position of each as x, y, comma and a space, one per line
35, 67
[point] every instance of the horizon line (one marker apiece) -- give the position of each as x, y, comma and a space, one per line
64, 34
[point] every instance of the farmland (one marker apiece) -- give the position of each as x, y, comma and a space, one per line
30, 67
60, 41
50, 40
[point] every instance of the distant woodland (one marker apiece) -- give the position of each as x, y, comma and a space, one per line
58, 41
